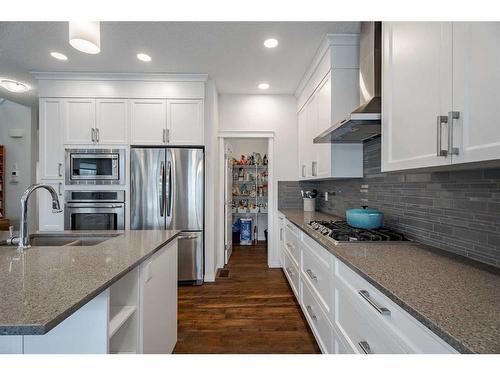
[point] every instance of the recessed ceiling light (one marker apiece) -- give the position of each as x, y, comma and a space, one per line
263, 86
13, 86
59, 56
85, 36
143, 57
271, 43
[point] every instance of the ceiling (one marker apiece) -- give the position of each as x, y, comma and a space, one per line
232, 53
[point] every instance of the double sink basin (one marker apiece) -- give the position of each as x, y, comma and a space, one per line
66, 239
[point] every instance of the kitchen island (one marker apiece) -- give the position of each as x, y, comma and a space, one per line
119, 295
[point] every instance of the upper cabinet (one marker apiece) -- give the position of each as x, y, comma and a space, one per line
170, 121
96, 109
438, 94
329, 91
148, 122
51, 158
95, 121
79, 121
476, 77
111, 121
185, 121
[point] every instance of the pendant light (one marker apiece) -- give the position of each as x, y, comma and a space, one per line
85, 36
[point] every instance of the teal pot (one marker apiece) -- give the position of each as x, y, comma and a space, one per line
365, 218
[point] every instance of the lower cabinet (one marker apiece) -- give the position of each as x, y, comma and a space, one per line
48, 220
346, 313
158, 291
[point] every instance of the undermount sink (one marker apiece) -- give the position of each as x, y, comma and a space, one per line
68, 240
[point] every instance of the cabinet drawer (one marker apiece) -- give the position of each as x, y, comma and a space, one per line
317, 249
363, 329
317, 273
417, 337
292, 229
292, 245
292, 273
323, 331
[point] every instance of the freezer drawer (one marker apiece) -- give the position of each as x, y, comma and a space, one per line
190, 250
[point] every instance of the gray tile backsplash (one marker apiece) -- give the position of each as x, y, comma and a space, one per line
456, 211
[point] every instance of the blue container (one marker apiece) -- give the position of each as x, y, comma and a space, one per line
364, 218
246, 232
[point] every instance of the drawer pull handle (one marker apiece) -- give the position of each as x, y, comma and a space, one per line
311, 275
365, 347
380, 309
311, 313
289, 270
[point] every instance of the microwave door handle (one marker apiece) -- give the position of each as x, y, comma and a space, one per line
162, 191
169, 199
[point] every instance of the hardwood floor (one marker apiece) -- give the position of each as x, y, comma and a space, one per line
251, 311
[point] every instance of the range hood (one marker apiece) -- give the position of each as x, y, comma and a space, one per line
362, 124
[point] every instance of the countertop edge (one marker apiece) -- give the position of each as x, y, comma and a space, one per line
445, 336
42, 329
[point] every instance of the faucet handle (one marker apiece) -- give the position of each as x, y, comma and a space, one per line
11, 231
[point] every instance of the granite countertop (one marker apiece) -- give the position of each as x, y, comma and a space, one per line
456, 298
45, 285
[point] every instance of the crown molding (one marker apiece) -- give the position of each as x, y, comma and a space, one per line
156, 77
328, 41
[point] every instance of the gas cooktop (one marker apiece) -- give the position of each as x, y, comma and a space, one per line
339, 231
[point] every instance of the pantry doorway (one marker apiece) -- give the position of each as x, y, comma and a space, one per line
247, 194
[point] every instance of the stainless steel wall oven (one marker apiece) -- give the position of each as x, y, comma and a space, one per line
94, 210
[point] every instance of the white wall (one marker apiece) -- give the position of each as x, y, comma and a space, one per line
211, 125
17, 150
265, 113
276, 113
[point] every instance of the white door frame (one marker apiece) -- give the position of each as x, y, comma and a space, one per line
272, 259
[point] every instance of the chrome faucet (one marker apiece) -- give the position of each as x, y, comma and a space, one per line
24, 239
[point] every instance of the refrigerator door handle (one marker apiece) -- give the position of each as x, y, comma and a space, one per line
162, 191
169, 198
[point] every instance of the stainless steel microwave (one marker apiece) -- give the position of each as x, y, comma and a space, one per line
95, 166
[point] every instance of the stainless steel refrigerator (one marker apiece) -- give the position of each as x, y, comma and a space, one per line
167, 192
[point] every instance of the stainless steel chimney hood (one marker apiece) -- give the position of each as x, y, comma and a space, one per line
362, 124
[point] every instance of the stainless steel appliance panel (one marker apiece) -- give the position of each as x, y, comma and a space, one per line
184, 188
147, 188
190, 253
94, 210
94, 216
95, 166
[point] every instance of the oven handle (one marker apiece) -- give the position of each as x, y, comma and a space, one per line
95, 205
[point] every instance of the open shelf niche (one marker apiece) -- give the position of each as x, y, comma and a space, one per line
123, 327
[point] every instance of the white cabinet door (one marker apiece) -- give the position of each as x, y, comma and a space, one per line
304, 166
79, 121
476, 77
416, 89
185, 121
159, 301
112, 121
47, 220
51, 139
323, 107
148, 121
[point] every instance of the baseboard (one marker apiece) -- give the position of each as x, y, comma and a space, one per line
275, 264
209, 278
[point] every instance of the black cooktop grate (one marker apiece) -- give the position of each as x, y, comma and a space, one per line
341, 231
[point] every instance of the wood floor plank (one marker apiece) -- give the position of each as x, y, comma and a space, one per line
252, 311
